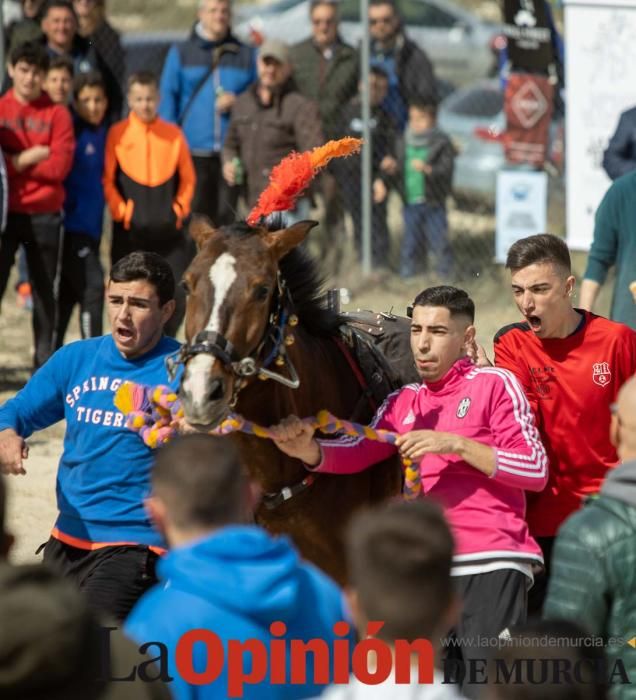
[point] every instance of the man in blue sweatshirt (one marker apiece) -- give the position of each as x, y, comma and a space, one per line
229, 579
102, 537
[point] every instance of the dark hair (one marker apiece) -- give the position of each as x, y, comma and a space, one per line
32, 53
64, 4
391, 3
531, 651
143, 77
423, 105
317, 3
541, 248
200, 479
379, 72
397, 555
142, 265
61, 63
455, 300
91, 79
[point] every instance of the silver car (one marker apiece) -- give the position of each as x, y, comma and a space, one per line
474, 119
459, 44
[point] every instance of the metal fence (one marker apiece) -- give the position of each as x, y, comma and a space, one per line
430, 199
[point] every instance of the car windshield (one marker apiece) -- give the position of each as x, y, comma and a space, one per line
413, 12
477, 103
278, 7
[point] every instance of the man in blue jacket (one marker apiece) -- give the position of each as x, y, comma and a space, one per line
226, 578
201, 79
102, 537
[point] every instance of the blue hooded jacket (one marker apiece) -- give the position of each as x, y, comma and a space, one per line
235, 582
191, 104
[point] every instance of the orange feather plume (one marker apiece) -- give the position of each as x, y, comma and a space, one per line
291, 177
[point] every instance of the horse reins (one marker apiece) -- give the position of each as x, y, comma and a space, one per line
215, 344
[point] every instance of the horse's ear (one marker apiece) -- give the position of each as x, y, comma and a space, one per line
201, 229
281, 242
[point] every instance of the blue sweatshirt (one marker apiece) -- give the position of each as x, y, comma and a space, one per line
84, 203
191, 103
103, 474
235, 582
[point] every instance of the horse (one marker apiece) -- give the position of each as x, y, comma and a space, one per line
260, 342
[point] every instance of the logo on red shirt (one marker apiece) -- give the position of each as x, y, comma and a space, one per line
601, 373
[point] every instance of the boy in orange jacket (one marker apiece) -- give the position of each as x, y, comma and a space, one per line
149, 184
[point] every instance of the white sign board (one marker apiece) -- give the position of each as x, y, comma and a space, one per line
599, 75
522, 207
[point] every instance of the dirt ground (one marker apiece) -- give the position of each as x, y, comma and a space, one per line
31, 507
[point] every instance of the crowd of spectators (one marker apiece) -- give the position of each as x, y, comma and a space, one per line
234, 112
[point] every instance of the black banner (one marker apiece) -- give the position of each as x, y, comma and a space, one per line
528, 33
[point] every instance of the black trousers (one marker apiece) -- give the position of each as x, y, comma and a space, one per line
112, 578
178, 253
213, 197
42, 238
82, 283
539, 591
491, 603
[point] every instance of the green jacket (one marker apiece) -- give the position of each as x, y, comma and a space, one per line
593, 579
331, 83
615, 245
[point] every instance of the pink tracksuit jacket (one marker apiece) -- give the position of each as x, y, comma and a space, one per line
486, 514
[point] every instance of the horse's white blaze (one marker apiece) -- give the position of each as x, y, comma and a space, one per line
195, 379
222, 275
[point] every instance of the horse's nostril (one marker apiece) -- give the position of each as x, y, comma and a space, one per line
216, 390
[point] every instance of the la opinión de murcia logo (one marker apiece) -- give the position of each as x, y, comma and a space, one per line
371, 661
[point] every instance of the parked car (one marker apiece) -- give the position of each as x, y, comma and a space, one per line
460, 44
474, 119
148, 50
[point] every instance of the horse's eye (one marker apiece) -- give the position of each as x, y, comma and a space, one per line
185, 286
261, 293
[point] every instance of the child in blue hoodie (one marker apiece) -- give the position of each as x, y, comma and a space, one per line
231, 580
82, 280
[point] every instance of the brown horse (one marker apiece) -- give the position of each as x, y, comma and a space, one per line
254, 313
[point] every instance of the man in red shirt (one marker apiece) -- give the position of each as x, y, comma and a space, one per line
36, 137
571, 364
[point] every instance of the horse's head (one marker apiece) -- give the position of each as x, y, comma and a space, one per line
232, 287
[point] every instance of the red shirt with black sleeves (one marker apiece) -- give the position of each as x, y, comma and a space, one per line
39, 189
571, 384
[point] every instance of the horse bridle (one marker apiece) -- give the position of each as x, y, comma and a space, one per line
212, 343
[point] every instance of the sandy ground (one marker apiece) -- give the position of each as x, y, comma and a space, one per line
31, 507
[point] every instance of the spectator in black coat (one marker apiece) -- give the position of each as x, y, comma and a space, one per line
620, 155
94, 27
410, 71
383, 165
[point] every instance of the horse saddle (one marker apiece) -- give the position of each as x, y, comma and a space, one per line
380, 344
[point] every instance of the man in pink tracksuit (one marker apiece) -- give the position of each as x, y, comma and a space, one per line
474, 435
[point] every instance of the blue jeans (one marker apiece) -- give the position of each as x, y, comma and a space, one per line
425, 230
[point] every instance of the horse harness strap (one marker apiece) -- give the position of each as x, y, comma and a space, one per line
271, 501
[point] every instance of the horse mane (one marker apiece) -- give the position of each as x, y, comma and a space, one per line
306, 284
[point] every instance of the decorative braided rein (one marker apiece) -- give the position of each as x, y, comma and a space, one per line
154, 414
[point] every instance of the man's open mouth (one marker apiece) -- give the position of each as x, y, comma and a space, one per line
124, 333
534, 322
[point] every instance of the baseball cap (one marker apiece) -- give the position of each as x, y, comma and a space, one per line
273, 48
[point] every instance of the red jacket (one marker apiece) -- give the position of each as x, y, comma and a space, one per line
38, 189
571, 384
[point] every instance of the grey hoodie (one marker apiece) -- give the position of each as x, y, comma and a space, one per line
621, 483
